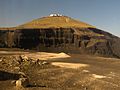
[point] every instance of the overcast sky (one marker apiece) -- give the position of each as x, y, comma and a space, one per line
104, 14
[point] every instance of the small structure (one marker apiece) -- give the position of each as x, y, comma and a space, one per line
55, 15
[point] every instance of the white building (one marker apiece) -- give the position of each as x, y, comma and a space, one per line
55, 15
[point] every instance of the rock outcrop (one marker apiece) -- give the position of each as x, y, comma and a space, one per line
61, 34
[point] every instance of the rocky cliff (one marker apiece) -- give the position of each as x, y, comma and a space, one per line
61, 34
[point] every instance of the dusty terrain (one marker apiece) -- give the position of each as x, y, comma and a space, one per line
59, 71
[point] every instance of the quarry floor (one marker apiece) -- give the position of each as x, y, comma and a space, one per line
67, 72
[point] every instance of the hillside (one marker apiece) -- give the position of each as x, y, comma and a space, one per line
60, 34
55, 22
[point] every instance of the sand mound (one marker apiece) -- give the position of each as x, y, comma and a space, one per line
69, 65
47, 56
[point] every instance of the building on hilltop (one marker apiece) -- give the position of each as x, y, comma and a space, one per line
55, 15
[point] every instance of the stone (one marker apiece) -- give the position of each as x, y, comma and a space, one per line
1, 60
24, 58
22, 82
44, 63
22, 75
17, 68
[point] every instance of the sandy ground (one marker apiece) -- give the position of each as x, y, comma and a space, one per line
72, 72
47, 56
69, 65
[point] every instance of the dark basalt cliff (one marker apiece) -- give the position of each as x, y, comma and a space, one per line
85, 40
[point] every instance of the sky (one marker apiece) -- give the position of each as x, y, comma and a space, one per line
104, 14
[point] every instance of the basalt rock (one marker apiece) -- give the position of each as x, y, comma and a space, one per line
69, 36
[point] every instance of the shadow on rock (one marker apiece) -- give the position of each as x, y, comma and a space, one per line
8, 76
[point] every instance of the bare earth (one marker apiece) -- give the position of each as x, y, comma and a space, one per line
67, 72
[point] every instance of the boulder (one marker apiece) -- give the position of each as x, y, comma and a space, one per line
22, 82
24, 58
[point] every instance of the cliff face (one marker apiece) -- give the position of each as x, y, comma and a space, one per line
71, 40
86, 40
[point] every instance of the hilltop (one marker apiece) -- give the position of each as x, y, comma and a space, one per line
55, 22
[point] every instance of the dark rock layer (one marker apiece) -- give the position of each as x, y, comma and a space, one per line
69, 40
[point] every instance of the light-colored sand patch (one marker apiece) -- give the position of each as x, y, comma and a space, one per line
98, 76
54, 55
69, 65
86, 71
47, 56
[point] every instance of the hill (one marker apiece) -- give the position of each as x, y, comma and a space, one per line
55, 22
60, 34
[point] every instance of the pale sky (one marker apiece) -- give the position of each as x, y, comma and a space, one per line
104, 14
